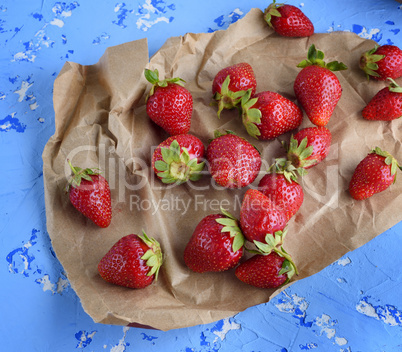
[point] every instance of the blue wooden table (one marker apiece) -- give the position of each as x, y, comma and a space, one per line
353, 305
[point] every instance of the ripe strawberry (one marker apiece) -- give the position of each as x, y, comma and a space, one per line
89, 193
288, 20
266, 270
231, 83
179, 159
216, 244
309, 147
285, 192
317, 88
232, 161
374, 174
169, 104
133, 261
382, 62
386, 105
267, 115
260, 216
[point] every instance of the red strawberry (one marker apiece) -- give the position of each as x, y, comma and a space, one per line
233, 162
317, 88
266, 271
133, 261
309, 147
386, 105
231, 83
382, 62
284, 192
179, 159
216, 244
169, 104
268, 115
89, 193
374, 174
260, 216
288, 20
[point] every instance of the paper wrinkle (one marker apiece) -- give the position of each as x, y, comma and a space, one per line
101, 121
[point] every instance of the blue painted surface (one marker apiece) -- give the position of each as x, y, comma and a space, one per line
353, 305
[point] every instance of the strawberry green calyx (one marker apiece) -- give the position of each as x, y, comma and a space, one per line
368, 62
285, 167
274, 244
298, 153
231, 225
153, 78
250, 116
316, 57
153, 256
393, 86
272, 10
227, 99
79, 174
176, 165
389, 160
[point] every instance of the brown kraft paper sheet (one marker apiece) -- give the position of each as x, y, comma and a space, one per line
101, 122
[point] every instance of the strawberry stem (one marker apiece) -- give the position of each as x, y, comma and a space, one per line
316, 57
153, 78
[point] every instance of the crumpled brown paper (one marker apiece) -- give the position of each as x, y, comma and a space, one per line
101, 122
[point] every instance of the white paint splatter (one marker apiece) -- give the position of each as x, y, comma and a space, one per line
85, 338
341, 341
2, 96
144, 22
118, 7
58, 287
66, 13
227, 326
325, 323
368, 34
23, 90
344, 261
121, 346
33, 106
57, 22
367, 309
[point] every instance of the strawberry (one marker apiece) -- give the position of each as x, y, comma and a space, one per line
288, 20
374, 174
233, 162
133, 261
260, 216
231, 83
382, 62
386, 105
284, 191
317, 88
308, 147
267, 115
270, 267
89, 193
264, 271
169, 104
179, 159
216, 244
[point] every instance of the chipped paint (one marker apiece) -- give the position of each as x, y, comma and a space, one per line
224, 22
344, 261
121, 346
227, 325
386, 313
25, 85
